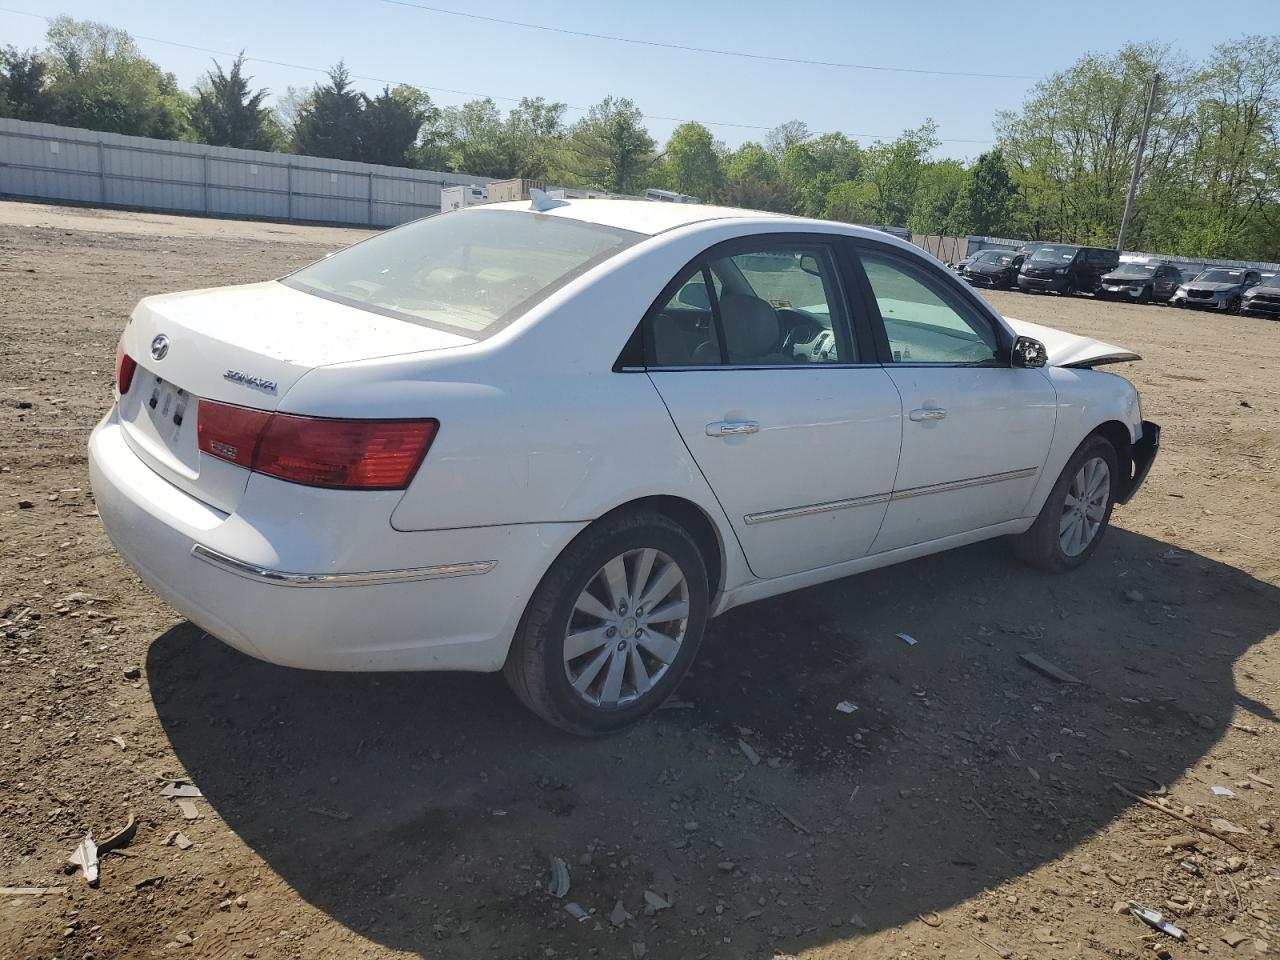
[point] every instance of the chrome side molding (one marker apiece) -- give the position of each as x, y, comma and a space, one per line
787, 513
285, 579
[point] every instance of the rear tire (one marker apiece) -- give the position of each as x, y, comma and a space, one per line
1077, 511
587, 656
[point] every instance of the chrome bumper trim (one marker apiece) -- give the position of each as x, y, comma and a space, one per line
283, 579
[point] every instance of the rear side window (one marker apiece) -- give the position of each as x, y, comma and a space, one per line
470, 273
776, 305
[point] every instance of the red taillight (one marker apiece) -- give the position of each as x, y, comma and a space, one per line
318, 452
125, 367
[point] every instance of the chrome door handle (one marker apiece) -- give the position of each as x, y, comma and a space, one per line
732, 428
928, 413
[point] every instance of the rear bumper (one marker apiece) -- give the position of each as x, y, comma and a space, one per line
299, 578
1144, 455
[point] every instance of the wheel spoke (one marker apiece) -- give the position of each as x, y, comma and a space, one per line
663, 585
612, 688
643, 568
671, 610
583, 642
659, 644
591, 670
1071, 499
1068, 518
588, 604
1095, 512
639, 675
615, 576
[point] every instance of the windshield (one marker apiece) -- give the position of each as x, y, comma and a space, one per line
1135, 270
1054, 255
996, 258
1221, 276
469, 273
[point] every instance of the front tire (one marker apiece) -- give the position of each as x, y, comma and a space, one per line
613, 626
1077, 511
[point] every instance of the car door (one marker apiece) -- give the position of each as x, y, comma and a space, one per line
1166, 282
976, 430
781, 402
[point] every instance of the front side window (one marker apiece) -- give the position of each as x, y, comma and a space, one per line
774, 306
468, 273
926, 323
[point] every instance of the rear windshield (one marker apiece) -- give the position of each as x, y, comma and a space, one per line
470, 273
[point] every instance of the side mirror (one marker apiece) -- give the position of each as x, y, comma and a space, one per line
809, 264
1029, 353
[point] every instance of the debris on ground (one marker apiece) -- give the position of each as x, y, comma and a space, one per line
1221, 791
85, 857
619, 915
844, 706
656, 902
558, 885
577, 912
189, 810
1051, 670
329, 812
1233, 938
180, 788
1155, 920
29, 891
749, 752
177, 838
121, 838
907, 639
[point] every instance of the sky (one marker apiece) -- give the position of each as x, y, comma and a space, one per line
457, 58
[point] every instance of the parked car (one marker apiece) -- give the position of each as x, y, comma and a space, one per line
996, 269
1141, 282
1066, 268
1262, 300
1218, 288
554, 439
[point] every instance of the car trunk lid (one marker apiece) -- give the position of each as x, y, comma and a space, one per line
246, 346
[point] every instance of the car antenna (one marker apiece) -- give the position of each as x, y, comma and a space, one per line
541, 201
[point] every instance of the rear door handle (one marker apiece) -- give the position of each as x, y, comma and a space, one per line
928, 413
732, 428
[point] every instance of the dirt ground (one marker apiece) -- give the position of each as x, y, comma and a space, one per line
966, 809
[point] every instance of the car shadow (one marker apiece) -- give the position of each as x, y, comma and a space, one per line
420, 809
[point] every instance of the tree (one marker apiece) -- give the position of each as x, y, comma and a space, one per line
328, 123
938, 191
692, 162
24, 91
811, 169
226, 113
390, 124
609, 148
893, 172
985, 204
99, 79
785, 136
534, 131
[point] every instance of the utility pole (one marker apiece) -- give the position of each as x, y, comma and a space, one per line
1137, 163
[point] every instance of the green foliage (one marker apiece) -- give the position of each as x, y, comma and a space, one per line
391, 122
692, 162
328, 123
24, 92
99, 79
985, 202
227, 113
609, 148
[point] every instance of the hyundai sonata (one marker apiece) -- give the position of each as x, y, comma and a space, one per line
554, 439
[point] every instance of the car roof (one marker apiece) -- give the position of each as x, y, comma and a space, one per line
641, 216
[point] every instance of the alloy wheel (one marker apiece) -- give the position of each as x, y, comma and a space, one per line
1085, 507
626, 627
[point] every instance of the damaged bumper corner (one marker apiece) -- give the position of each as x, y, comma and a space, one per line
1144, 453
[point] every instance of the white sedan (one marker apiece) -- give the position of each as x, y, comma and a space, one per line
554, 439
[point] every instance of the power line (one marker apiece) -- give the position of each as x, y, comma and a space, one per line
463, 93
773, 58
